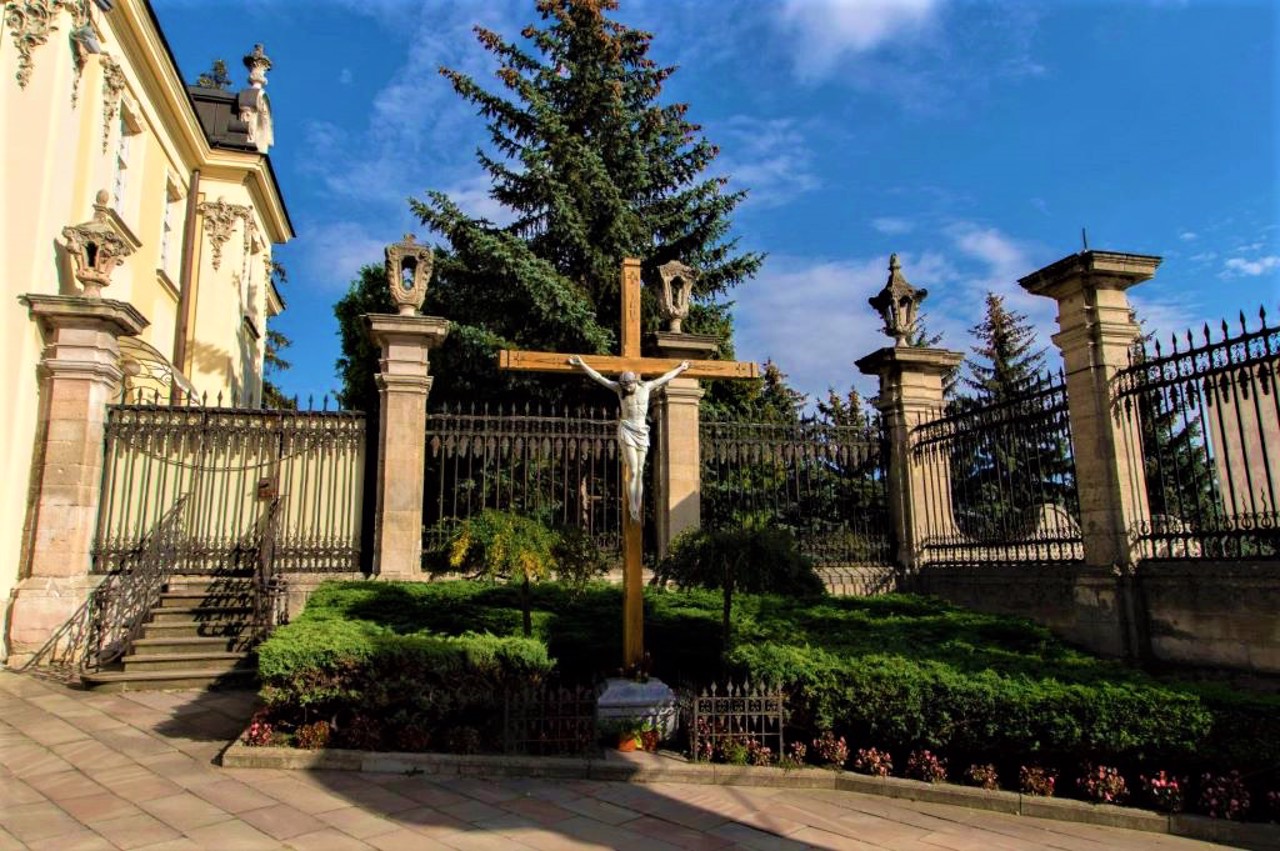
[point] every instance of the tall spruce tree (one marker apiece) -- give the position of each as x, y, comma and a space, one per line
1011, 455
593, 168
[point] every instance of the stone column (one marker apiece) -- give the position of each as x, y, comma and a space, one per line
911, 382
79, 377
678, 471
1097, 333
404, 382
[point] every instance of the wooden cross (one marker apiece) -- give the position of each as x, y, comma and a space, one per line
630, 360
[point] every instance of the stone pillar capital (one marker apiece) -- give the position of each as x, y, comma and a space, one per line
911, 378
55, 312
1106, 271
393, 331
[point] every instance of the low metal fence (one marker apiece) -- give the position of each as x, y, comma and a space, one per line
999, 480
825, 483
550, 721
1208, 417
745, 718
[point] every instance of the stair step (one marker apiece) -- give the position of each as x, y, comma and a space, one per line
198, 629
208, 661
179, 679
201, 614
181, 600
208, 585
200, 645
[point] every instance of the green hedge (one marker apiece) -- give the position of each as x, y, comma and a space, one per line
351, 672
893, 671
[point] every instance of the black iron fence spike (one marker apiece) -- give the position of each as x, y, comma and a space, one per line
1244, 327
1226, 330
311, 401
1262, 315
1206, 333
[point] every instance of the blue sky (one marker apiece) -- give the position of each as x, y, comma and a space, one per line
973, 138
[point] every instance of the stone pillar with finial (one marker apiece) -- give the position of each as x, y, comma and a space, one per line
911, 394
404, 383
80, 376
678, 468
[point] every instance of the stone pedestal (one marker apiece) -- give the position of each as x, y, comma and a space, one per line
404, 383
678, 470
622, 700
911, 381
1097, 333
79, 377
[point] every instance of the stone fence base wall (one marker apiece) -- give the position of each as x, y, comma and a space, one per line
1223, 614
1187, 612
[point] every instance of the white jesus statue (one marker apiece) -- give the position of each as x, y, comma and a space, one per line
633, 430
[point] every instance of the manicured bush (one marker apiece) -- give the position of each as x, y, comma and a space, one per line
1224, 796
1038, 780
983, 775
1164, 792
927, 766
1103, 784
872, 761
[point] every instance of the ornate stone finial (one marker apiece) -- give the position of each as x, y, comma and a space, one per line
408, 271
898, 303
677, 286
96, 247
258, 64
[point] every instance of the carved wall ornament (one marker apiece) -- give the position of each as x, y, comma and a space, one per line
31, 22
408, 271
677, 287
84, 43
96, 247
219, 219
112, 93
898, 304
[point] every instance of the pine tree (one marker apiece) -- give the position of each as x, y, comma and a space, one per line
594, 169
216, 77
1007, 365
273, 361
1012, 454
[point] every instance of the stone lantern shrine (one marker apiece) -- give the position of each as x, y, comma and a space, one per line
408, 271
677, 285
97, 247
898, 303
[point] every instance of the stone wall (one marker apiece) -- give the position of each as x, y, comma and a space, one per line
1200, 613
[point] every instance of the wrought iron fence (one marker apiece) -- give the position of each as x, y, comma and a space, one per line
561, 467
232, 462
825, 483
999, 480
550, 721
105, 626
1208, 417
270, 587
729, 716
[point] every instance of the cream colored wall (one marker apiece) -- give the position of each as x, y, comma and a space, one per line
53, 164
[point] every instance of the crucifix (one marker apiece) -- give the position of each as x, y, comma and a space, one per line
631, 431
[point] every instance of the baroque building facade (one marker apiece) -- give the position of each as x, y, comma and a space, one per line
98, 127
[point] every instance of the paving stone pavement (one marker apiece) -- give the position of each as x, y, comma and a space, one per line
83, 770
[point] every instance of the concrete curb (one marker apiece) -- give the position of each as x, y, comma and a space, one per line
670, 768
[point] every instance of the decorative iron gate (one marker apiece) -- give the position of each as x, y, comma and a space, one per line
231, 463
561, 467
825, 483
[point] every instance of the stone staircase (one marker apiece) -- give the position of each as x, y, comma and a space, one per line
199, 635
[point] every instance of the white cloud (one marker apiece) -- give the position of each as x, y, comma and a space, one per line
826, 31
1236, 266
1188, 236
892, 226
768, 156
332, 253
344, 76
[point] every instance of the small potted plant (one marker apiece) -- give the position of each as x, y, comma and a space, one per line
634, 734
